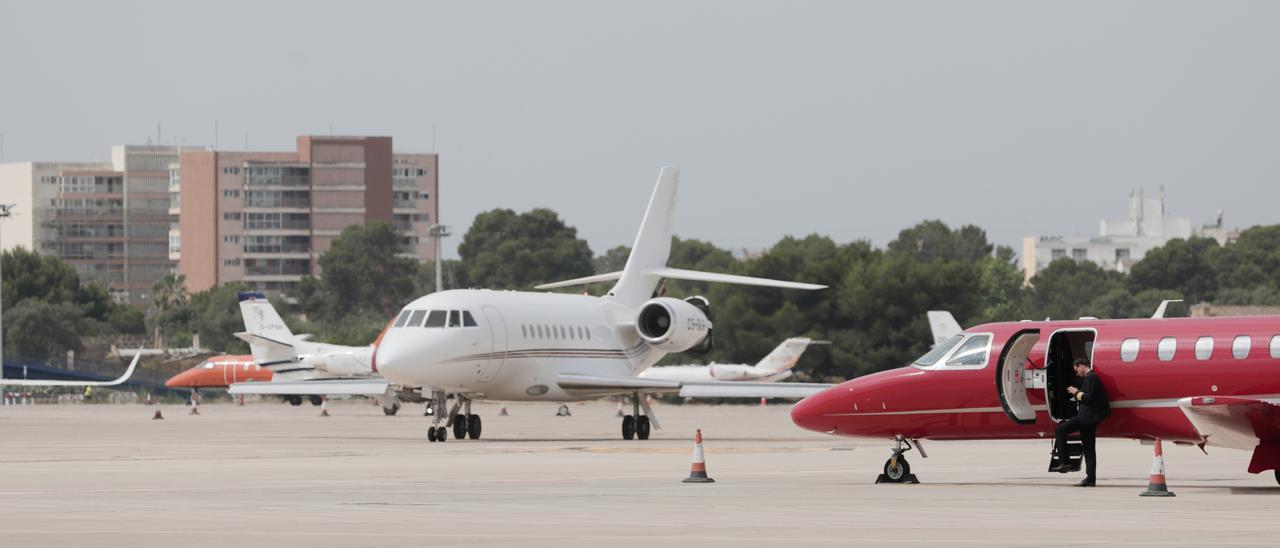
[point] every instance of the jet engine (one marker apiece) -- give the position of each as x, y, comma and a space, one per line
674, 325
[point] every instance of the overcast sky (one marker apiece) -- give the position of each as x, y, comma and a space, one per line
851, 119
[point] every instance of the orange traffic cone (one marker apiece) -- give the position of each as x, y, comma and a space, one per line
763, 402
502, 412
698, 470
324, 407
157, 416
1157, 486
619, 413
241, 400
195, 407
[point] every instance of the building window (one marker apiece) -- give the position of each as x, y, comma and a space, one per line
230, 171
1204, 348
231, 193
1240, 347
231, 262
231, 239
1122, 254
1079, 254
424, 195
1057, 253
231, 216
1129, 350
422, 172
1166, 349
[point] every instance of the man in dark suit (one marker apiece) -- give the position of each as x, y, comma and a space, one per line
1091, 398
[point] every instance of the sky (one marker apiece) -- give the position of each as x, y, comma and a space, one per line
849, 119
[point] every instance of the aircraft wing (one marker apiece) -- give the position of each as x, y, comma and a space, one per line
605, 385
1239, 423
331, 387
39, 382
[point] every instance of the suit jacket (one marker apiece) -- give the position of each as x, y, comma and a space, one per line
1092, 399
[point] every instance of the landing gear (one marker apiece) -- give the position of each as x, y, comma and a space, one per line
391, 408
464, 423
316, 400
636, 425
473, 427
437, 433
294, 400
460, 426
897, 469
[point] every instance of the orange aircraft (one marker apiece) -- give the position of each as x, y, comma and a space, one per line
220, 372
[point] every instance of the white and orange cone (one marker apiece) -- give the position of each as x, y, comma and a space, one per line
502, 412
324, 407
620, 413
157, 416
698, 470
241, 400
195, 407
764, 402
1157, 486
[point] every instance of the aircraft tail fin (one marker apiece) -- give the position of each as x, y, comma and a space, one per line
943, 325
784, 356
269, 338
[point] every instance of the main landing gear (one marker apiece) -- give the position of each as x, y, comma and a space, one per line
897, 469
464, 423
636, 425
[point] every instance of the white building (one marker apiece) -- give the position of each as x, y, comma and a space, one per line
1121, 242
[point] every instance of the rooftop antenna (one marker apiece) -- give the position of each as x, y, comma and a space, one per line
159, 134
215, 135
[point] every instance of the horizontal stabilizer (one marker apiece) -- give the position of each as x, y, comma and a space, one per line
739, 389
690, 275
353, 387
270, 344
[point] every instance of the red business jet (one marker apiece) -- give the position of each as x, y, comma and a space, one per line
1205, 381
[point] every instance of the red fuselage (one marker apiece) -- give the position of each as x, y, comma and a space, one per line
1146, 366
220, 372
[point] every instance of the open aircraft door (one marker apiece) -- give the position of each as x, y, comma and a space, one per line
1015, 375
498, 338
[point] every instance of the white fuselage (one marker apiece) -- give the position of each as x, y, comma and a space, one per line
520, 343
714, 372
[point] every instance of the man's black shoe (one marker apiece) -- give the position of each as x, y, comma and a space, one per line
1063, 468
1086, 483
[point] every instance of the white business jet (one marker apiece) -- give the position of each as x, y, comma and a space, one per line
302, 368
560, 347
773, 368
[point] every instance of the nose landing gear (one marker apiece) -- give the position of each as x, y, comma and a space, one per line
897, 469
465, 424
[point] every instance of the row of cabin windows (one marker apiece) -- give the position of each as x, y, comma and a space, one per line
436, 318
573, 332
1168, 347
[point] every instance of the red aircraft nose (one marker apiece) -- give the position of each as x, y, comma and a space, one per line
815, 412
181, 380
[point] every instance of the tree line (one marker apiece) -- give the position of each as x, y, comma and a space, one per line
873, 312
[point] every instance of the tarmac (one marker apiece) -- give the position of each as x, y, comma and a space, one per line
271, 474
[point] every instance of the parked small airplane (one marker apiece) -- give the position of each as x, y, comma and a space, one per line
1209, 382
561, 347
220, 372
774, 367
305, 369
42, 382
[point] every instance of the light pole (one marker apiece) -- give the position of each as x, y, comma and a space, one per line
5, 212
439, 232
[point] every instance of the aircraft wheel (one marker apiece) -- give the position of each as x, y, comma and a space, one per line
460, 427
628, 427
897, 472
431, 434
316, 400
442, 434
295, 400
642, 427
391, 410
473, 427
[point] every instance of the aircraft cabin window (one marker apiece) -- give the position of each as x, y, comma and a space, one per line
538, 328
972, 352
1204, 348
560, 330
404, 317
1240, 347
1166, 349
416, 319
436, 318
931, 357
524, 333
573, 334
1275, 347
467, 320
455, 318
1129, 350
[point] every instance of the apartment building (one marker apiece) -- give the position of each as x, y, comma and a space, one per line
263, 218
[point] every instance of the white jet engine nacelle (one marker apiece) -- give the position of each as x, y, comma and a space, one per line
672, 325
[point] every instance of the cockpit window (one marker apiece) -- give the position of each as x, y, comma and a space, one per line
467, 320
404, 317
972, 352
416, 319
931, 357
208, 366
455, 318
436, 318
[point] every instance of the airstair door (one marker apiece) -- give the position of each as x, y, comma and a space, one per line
498, 338
1014, 377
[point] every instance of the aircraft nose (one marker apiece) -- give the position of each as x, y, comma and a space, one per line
389, 359
181, 380
814, 412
